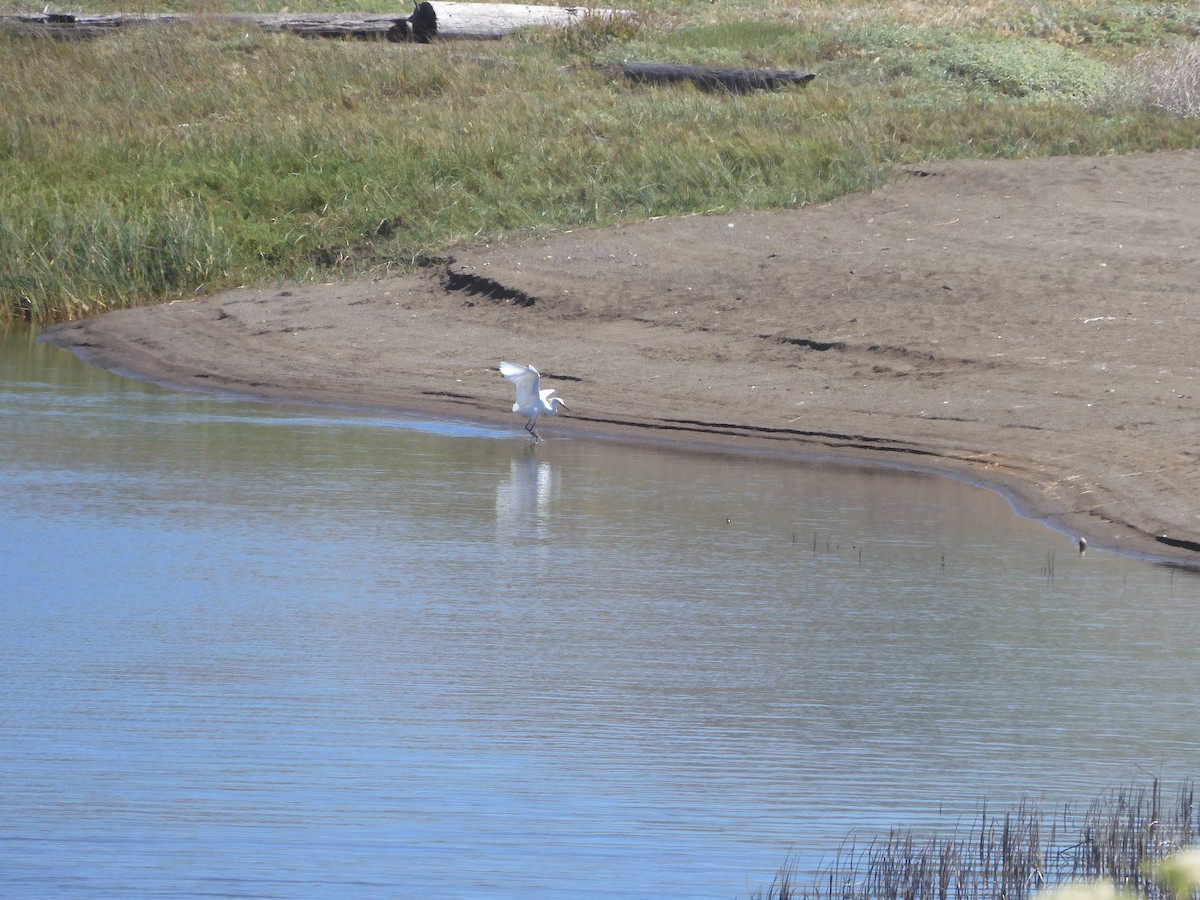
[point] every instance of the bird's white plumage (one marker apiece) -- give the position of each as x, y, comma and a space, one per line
532, 401
528, 380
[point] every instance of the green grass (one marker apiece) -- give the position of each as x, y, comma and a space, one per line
164, 163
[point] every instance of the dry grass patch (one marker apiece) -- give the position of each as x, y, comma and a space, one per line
1167, 81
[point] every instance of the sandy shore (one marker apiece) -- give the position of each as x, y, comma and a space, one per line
1025, 324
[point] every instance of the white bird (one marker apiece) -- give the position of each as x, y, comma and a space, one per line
531, 400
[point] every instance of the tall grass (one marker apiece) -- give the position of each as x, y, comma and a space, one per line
1012, 855
161, 163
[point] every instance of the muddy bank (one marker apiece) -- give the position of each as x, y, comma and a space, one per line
1026, 324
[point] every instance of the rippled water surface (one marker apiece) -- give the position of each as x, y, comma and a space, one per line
254, 650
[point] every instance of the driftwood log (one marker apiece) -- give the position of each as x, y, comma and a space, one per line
466, 21
714, 78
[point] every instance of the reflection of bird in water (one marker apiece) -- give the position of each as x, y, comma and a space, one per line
524, 498
531, 400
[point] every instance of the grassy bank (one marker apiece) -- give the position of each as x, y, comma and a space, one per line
166, 163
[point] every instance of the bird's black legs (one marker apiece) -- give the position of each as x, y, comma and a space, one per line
532, 434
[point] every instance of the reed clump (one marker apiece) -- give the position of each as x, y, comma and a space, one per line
1120, 838
168, 162
1165, 80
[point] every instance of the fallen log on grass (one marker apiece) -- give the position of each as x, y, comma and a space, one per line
463, 21
714, 78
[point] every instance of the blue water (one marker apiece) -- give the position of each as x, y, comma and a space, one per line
255, 650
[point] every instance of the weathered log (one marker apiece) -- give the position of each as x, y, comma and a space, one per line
715, 78
463, 21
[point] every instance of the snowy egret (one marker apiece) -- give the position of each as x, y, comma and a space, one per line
531, 400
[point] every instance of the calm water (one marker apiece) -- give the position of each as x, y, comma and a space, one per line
253, 650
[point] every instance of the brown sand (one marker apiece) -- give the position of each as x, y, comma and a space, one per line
1025, 324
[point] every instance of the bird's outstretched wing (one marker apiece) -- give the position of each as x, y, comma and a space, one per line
527, 379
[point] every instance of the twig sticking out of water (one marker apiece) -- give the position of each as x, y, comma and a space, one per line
1048, 569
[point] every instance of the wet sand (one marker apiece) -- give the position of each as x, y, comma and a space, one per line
1024, 324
